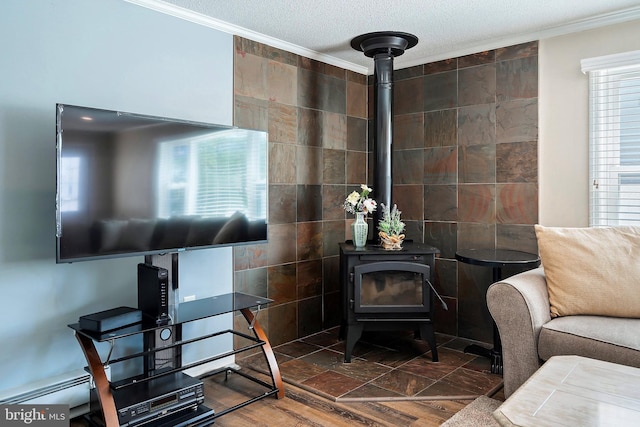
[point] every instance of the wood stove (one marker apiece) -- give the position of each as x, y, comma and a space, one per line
387, 290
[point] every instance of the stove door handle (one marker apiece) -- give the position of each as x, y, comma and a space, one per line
444, 304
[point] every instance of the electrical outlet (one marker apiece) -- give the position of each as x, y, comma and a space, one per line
189, 298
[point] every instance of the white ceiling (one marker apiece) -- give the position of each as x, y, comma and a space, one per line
323, 29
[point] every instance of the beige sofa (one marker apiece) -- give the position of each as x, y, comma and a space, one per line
521, 309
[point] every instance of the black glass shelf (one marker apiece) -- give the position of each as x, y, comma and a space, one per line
185, 312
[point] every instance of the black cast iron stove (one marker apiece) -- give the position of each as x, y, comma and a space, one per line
387, 290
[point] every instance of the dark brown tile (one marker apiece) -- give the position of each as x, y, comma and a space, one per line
440, 202
517, 51
250, 76
309, 316
517, 162
362, 370
356, 99
326, 338
321, 91
407, 73
299, 371
409, 199
408, 166
282, 204
446, 277
517, 237
309, 165
334, 133
517, 79
442, 388
282, 163
282, 324
332, 201
332, 234
477, 164
309, 235
517, 120
250, 256
442, 235
476, 203
296, 349
408, 96
408, 131
477, 85
440, 66
309, 280
517, 203
356, 134
310, 127
324, 358
403, 382
448, 362
473, 381
440, 128
334, 166
446, 321
282, 83
251, 113
332, 383
352, 76
474, 320
356, 168
371, 392
281, 247
414, 230
283, 123
331, 276
476, 235
477, 124
479, 58
441, 91
309, 203
253, 282
441, 165
282, 283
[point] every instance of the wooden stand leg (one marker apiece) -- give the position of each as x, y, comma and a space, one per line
267, 350
100, 379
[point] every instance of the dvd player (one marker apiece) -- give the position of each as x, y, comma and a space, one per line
151, 400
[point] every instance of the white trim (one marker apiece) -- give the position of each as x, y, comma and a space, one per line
207, 21
559, 30
617, 60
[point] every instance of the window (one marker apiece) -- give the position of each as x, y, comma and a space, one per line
614, 139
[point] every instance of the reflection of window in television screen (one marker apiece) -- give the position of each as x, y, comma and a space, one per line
69, 184
225, 167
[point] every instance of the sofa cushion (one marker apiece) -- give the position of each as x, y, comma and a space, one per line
610, 339
591, 271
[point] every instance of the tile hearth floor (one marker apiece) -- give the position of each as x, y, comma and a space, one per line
383, 366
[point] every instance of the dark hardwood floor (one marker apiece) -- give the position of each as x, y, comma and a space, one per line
301, 408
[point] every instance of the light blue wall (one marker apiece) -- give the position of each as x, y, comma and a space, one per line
101, 53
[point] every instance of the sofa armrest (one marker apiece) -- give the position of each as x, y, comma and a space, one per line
520, 306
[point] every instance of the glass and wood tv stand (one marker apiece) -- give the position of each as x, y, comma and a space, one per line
185, 312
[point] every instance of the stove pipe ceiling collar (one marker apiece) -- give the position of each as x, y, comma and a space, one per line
383, 46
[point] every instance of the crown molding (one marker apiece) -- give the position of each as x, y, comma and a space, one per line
558, 30
208, 21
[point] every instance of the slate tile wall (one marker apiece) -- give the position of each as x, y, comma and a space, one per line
465, 174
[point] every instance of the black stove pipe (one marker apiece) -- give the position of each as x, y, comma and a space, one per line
383, 47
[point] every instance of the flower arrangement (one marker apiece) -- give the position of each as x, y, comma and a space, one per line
360, 202
391, 228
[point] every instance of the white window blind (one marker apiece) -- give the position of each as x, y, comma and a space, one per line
614, 139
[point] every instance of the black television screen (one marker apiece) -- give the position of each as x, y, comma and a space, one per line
129, 184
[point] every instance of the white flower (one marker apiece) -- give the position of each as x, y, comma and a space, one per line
365, 188
369, 205
353, 198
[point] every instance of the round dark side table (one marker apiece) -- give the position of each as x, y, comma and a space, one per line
496, 259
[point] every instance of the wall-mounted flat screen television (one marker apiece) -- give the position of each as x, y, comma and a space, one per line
130, 184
